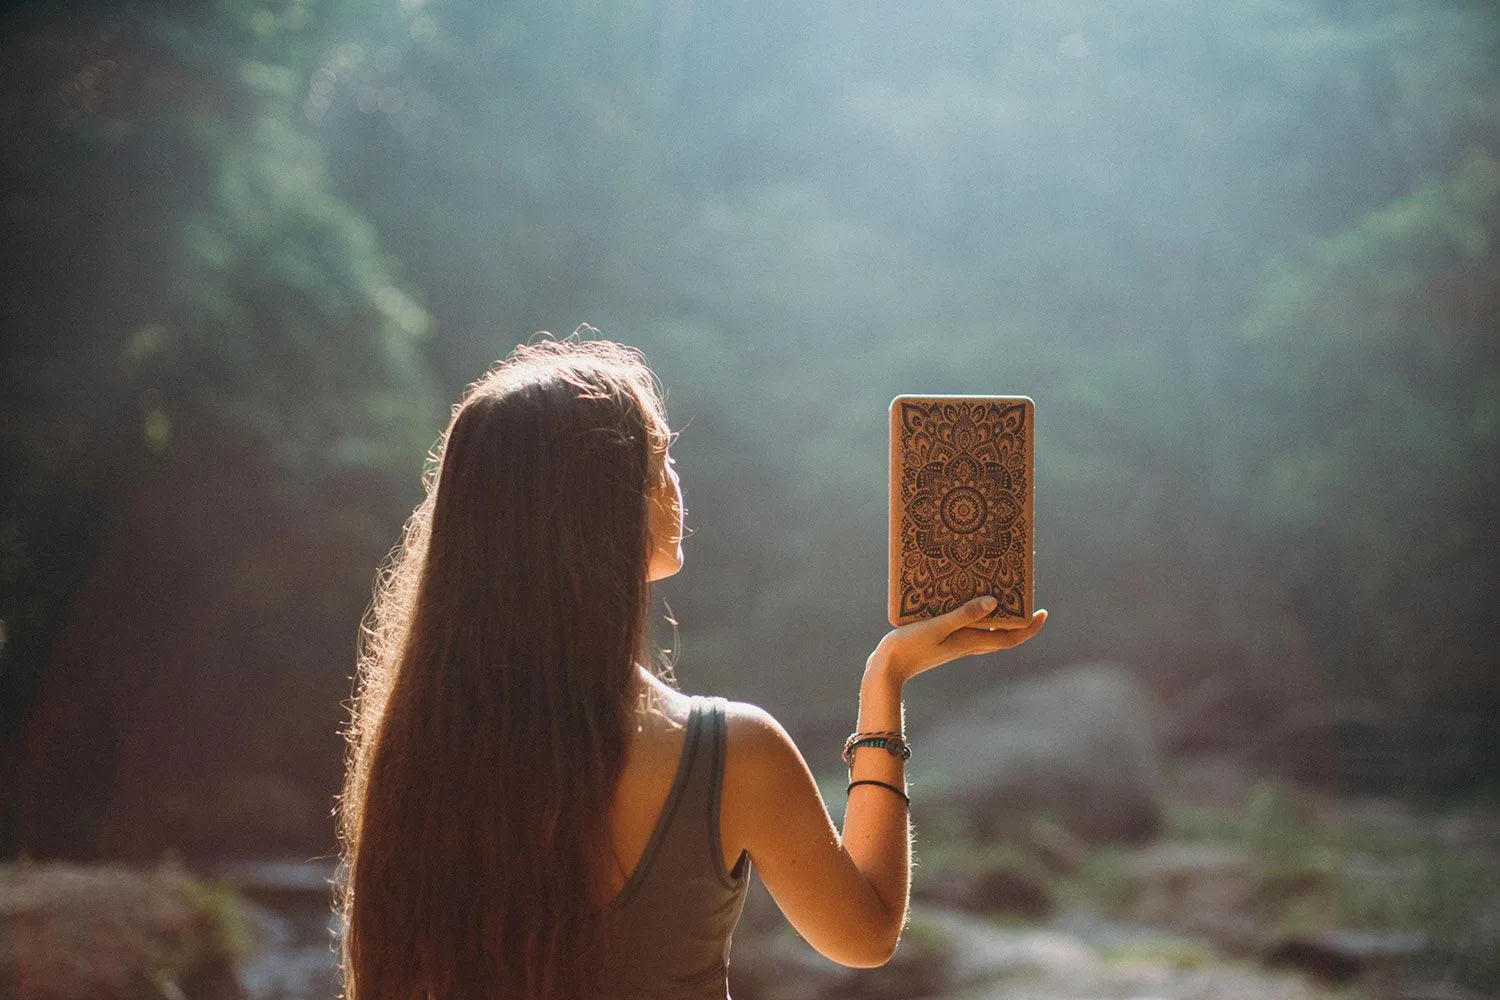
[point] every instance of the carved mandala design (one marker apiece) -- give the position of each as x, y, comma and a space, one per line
964, 527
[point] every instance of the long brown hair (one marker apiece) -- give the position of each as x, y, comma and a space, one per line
495, 685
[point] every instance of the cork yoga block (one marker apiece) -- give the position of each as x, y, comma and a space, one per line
961, 510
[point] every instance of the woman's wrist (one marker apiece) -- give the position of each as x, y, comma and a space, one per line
881, 671
880, 697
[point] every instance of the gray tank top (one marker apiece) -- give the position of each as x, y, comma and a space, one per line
678, 909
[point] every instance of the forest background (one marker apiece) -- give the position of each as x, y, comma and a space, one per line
1245, 256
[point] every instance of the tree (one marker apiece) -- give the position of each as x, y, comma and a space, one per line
1368, 405
212, 375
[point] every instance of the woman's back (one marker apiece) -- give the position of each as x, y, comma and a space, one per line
652, 758
673, 914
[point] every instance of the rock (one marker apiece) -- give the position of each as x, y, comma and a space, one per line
1342, 955
1077, 746
942, 952
1153, 979
948, 954
1013, 890
69, 932
1060, 850
974, 950
1437, 991
1203, 889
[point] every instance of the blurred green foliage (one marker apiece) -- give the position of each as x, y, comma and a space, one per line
1278, 865
210, 364
1243, 255
1374, 444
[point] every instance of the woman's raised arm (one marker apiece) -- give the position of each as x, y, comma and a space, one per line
846, 894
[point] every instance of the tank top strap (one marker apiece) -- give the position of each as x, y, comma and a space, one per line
693, 828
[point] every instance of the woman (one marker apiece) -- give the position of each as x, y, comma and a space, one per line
528, 812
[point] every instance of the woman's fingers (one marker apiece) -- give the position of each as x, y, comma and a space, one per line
920, 646
964, 615
1020, 635
972, 641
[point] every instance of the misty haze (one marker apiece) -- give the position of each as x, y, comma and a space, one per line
1244, 256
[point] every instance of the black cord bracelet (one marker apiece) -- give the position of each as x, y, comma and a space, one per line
883, 784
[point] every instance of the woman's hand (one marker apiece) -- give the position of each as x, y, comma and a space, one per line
911, 649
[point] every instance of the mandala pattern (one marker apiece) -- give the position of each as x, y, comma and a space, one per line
965, 521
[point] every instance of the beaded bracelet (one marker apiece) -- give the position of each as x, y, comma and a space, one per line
886, 785
894, 743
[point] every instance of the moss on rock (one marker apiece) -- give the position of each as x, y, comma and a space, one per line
72, 932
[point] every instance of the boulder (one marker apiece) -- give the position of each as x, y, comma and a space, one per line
70, 932
1011, 890
1077, 746
1340, 955
943, 952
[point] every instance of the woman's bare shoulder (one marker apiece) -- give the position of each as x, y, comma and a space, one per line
751, 722
758, 740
